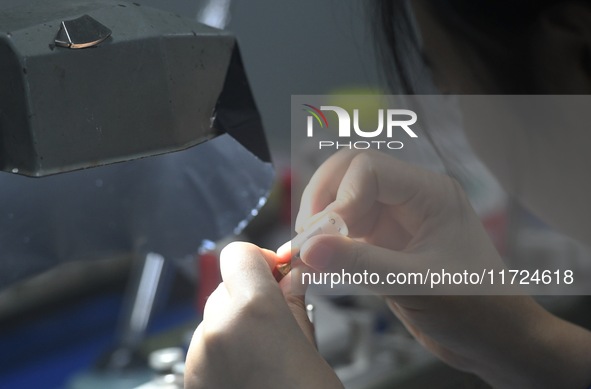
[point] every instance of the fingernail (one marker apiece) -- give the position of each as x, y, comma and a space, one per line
319, 256
284, 249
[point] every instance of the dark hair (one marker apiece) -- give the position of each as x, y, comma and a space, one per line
487, 27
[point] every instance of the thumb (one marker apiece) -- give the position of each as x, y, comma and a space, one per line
360, 261
246, 271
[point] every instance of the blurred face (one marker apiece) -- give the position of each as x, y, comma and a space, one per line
545, 165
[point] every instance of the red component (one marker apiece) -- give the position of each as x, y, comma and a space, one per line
277, 274
209, 277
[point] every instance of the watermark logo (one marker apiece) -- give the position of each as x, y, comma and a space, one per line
317, 114
391, 123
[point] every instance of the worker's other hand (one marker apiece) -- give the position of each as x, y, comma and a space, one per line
403, 219
406, 219
255, 332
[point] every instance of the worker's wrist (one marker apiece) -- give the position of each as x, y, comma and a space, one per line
510, 344
542, 351
564, 359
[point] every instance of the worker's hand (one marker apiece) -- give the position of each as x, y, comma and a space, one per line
255, 332
405, 219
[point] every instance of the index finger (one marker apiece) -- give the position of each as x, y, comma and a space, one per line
350, 183
323, 186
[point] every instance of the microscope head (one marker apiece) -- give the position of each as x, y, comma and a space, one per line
90, 83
